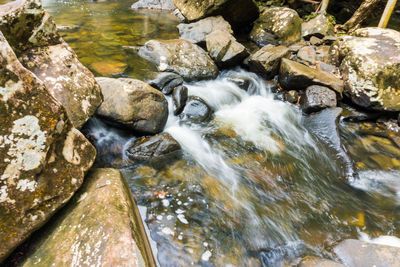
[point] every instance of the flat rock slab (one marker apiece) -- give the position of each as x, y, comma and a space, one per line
99, 227
266, 61
154, 4
355, 253
296, 76
311, 261
180, 56
197, 32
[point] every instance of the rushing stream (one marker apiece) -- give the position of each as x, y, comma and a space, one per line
255, 186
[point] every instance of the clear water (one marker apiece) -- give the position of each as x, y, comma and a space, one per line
254, 187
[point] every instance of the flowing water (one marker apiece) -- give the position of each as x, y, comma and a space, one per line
254, 186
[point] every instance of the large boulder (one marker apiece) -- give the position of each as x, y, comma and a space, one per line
236, 12
181, 57
318, 97
133, 104
100, 226
158, 150
197, 32
266, 61
356, 253
43, 159
277, 25
154, 4
294, 75
320, 26
370, 66
224, 49
33, 36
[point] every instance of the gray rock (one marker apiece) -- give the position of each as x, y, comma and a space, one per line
318, 97
316, 41
180, 56
310, 261
197, 32
324, 125
370, 66
154, 4
224, 49
277, 25
236, 12
43, 159
293, 75
307, 53
355, 253
33, 36
320, 26
266, 61
179, 97
100, 226
166, 82
292, 96
159, 150
133, 104
196, 110
321, 66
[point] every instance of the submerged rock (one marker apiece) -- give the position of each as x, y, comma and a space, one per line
359, 254
166, 82
180, 56
179, 97
266, 61
197, 32
319, 27
293, 75
101, 226
236, 12
224, 49
277, 25
43, 159
370, 65
32, 34
196, 110
159, 150
133, 104
324, 126
318, 97
154, 4
311, 261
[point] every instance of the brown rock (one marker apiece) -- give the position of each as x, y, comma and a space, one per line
266, 61
311, 261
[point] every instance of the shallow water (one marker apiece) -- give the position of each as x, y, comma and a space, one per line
254, 186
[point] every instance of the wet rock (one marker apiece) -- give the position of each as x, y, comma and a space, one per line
292, 96
166, 82
370, 66
310, 261
324, 126
224, 49
179, 97
196, 110
320, 26
293, 75
154, 4
159, 150
242, 82
232, 10
100, 226
277, 25
180, 56
307, 53
32, 34
318, 97
197, 32
133, 104
43, 159
266, 61
359, 254
352, 115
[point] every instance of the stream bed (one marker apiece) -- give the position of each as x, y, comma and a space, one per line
255, 186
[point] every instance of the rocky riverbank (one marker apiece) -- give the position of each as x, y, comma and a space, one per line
48, 96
